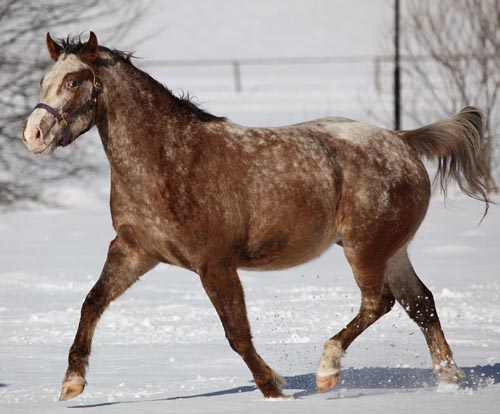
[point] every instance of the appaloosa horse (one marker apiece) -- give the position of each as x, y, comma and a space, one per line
200, 192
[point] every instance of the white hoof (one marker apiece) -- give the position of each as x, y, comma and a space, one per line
72, 386
328, 372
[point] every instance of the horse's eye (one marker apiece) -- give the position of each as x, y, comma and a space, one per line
71, 84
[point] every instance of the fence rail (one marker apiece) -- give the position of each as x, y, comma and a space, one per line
237, 63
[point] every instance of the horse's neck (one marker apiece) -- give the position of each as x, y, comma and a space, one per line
136, 117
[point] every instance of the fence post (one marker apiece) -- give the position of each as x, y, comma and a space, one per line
237, 76
397, 70
376, 74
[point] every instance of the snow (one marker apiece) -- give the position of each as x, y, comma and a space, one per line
160, 347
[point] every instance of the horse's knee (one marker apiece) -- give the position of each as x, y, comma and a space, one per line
95, 301
241, 345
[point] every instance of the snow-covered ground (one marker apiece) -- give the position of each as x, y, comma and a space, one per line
161, 348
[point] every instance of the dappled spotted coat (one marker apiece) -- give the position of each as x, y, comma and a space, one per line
200, 192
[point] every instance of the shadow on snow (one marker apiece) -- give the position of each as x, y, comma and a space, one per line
354, 379
394, 379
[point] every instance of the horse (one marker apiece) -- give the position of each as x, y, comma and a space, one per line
198, 191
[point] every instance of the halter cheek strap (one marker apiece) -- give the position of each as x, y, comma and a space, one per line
65, 120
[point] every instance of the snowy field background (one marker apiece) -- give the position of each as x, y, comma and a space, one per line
160, 347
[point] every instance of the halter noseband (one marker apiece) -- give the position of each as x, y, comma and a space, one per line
64, 120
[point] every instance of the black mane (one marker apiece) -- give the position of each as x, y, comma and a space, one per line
75, 45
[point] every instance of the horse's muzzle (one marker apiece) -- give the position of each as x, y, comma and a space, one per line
38, 136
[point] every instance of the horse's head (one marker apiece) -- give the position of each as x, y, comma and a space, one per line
68, 102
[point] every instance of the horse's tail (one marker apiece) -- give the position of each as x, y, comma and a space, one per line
457, 144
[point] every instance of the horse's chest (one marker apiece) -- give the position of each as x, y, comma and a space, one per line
147, 222
158, 239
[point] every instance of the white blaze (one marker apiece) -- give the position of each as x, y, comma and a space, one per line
52, 94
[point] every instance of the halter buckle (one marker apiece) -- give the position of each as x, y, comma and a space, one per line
61, 120
97, 82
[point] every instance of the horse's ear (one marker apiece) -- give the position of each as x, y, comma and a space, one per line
91, 49
54, 48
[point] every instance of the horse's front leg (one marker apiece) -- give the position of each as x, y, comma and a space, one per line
224, 289
124, 265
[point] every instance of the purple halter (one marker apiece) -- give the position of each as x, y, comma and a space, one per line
64, 120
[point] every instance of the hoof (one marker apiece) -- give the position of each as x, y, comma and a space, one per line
328, 372
449, 372
272, 389
71, 387
281, 397
325, 384
275, 395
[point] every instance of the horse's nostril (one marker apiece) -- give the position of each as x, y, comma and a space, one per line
38, 134
33, 135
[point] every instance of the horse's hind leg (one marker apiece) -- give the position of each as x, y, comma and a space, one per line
376, 300
124, 265
417, 300
224, 289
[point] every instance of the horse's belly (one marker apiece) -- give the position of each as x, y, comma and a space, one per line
293, 223
284, 249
